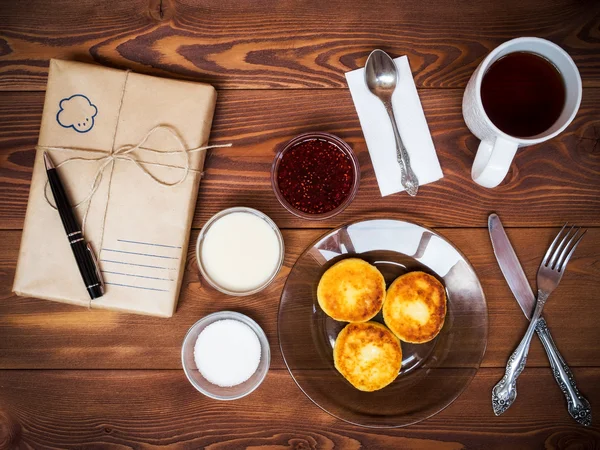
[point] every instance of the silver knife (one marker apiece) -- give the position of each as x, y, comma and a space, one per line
579, 408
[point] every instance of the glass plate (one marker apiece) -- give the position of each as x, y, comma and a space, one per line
433, 374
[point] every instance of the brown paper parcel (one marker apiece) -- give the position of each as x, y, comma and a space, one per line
140, 200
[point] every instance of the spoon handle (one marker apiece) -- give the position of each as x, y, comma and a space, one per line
408, 178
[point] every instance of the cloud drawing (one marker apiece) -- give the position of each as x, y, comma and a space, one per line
77, 112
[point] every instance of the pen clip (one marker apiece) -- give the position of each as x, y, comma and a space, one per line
96, 265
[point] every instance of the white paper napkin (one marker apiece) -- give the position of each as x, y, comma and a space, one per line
379, 135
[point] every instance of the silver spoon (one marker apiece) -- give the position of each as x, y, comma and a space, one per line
381, 77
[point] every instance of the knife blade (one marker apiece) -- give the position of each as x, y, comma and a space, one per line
510, 266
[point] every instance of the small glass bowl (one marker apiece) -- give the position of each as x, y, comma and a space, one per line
212, 390
332, 139
205, 229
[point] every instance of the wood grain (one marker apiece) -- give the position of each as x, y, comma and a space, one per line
284, 44
547, 184
148, 409
48, 335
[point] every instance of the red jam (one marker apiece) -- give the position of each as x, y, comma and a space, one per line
315, 176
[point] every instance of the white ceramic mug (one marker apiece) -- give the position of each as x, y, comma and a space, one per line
497, 149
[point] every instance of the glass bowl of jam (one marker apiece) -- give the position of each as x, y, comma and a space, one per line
315, 175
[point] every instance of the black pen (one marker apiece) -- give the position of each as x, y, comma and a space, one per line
84, 255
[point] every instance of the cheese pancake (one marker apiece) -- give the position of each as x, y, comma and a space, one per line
368, 355
415, 307
351, 290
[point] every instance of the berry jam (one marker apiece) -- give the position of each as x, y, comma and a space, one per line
315, 176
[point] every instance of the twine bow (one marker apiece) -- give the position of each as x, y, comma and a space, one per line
123, 153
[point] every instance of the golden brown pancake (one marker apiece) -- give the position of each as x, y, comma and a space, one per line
351, 290
368, 355
415, 307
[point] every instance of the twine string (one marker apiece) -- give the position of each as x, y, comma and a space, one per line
123, 153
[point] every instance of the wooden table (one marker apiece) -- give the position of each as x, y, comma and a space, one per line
73, 378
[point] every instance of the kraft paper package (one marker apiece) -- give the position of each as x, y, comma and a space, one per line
129, 151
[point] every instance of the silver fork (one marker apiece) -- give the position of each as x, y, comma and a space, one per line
549, 275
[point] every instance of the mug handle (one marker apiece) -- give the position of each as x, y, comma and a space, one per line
492, 162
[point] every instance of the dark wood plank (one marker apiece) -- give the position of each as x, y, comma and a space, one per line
139, 409
48, 335
283, 44
547, 184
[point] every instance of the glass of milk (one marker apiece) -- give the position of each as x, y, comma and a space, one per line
240, 251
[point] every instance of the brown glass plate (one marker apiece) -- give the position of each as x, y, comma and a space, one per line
433, 374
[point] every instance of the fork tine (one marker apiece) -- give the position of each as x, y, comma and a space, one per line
561, 255
551, 248
562, 263
557, 251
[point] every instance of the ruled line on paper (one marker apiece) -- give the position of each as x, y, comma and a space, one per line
137, 253
137, 276
138, 265
147, 243
137, 287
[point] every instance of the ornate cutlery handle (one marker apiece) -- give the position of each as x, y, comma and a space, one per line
408, 178
578, 406
505, 392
